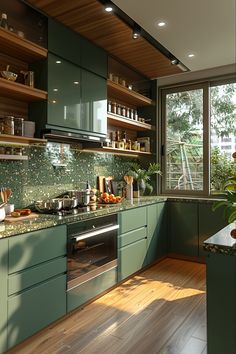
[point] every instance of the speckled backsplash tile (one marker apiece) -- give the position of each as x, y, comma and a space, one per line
55, 169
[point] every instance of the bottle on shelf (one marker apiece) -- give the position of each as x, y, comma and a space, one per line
123, 111
4, 21
118, 111
109, 106
114, 107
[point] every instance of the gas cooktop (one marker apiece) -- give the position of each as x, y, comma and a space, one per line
75, 211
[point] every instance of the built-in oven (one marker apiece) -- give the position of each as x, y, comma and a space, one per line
92, 249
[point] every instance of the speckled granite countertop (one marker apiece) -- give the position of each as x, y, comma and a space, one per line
44, 221
222, 242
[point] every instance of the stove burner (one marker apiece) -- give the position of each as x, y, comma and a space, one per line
75, 211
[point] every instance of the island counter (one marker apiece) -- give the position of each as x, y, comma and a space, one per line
221, 292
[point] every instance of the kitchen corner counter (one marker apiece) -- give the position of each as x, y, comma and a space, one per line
222, 242
45, 221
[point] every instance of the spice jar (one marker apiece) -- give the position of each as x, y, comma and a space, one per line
114, 107
109, 106
118, 109
8, 150
136, 115
18, 151
1, 126
8, 125
132, 114
128, 112
2, 150
18, 126
123, 111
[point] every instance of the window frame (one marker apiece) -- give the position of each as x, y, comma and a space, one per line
206, 138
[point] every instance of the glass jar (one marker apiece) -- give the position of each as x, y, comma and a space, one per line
18, 151
123, 111
136, 115
109, 106
132, 114
128, 112
8, 125
8, 150
1, 125
114, 107
2, 150
18, 126
118, 110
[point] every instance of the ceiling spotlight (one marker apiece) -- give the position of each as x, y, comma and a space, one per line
174, 62
108, 7
161, 24
136, 31
191, 55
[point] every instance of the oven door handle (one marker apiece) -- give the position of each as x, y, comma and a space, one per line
96, 232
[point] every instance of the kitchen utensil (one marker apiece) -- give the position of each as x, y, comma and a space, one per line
49, 205
3, 204
9, 208
69, 203
82, 196
28, 77
8, 75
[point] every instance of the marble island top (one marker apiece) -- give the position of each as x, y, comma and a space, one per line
44, 221
222, 242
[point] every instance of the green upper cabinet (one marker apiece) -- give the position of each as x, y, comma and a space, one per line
183, 228
210, 222
71, 46
64, 94
93, 58
77, 98
156, 232
93, 102
64, 42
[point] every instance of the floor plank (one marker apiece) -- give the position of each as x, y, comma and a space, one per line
161, 310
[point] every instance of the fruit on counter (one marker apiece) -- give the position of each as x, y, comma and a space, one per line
109, 198
15, 214
23, 212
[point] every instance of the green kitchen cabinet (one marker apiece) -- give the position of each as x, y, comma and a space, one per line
3, 294
156, 232
94, 102
73, 47
93, 58
77, 100
221, 304
132, 219
183, 228
131, 258
210, 222
35, 308
64, 42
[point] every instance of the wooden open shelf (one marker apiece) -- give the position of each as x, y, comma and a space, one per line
21, 140
21, 92
13, 157
126, 95
106, 149
20, 48
127, 123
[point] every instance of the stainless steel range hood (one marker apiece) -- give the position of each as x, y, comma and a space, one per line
68, 137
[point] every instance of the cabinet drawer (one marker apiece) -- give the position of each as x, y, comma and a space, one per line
29, 277
36, 247
35, 308
131, 258
132, 219
91, 288
132, 236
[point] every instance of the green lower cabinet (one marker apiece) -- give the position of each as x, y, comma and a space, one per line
221, 304
156, 232
132, 219
183, 228
91, 288
210, 222
131, 258
35, 308
3, 294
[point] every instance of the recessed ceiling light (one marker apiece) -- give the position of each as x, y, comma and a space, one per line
161, 24
58, 62
191, 55
76, 82
55, 89
108, 7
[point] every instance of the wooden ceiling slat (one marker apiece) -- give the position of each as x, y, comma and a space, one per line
88, 18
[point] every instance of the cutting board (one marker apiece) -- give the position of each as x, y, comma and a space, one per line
20, 218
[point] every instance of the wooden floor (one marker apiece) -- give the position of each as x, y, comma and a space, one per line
161, 310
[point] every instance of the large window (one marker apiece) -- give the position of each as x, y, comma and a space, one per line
199, 125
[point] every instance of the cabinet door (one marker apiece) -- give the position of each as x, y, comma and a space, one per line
64, 42
93, 58
210, 222
131, 258
35, 308
156, 232
94, 102
183, 228
132, 219
64, 94
3, 294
